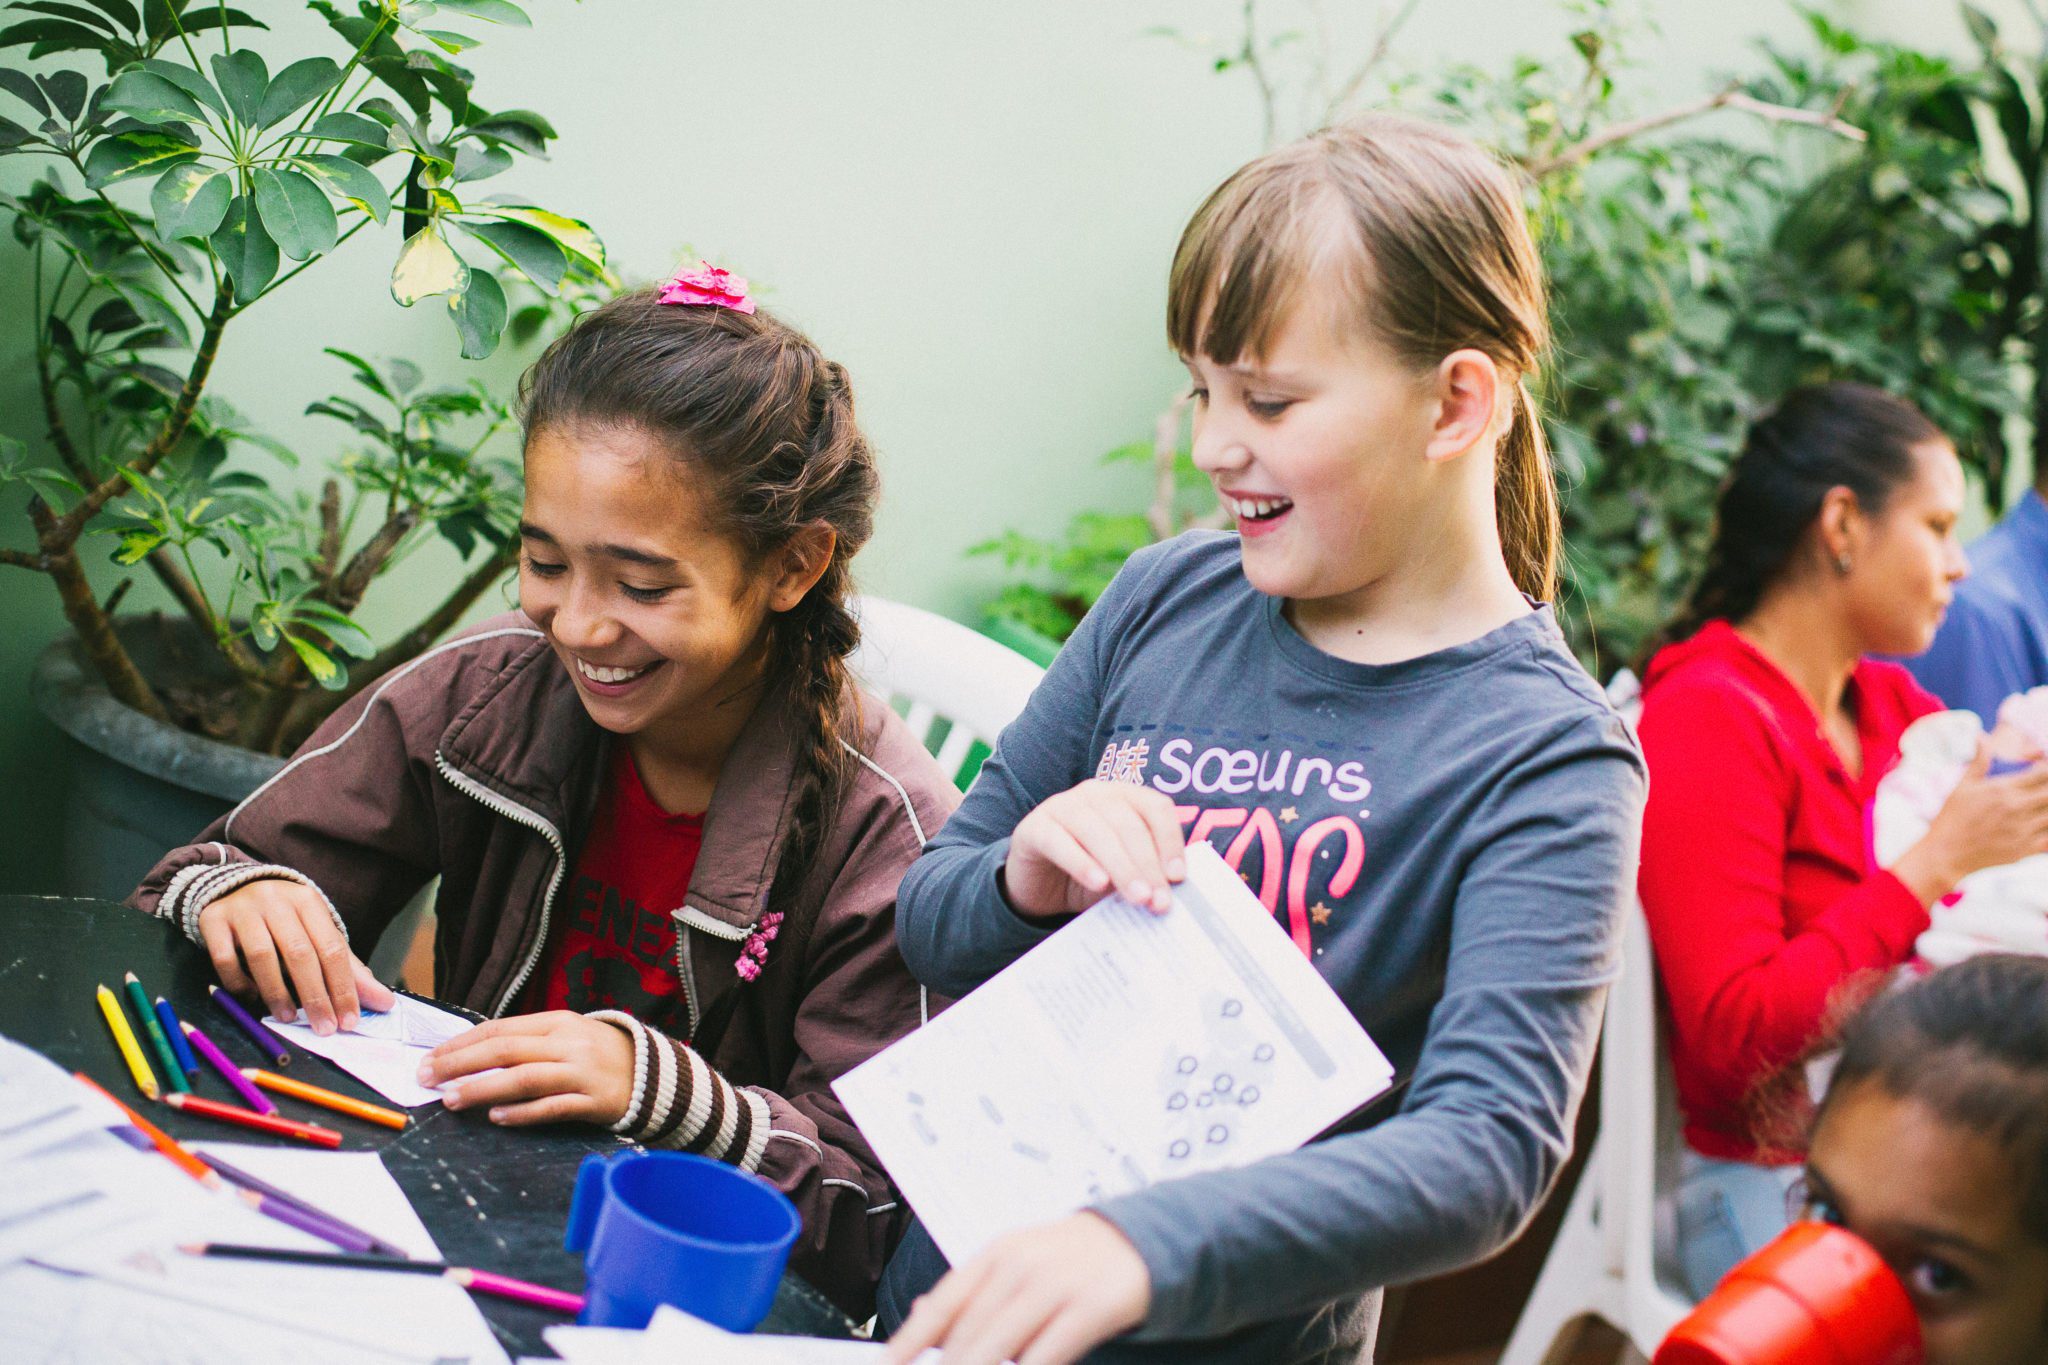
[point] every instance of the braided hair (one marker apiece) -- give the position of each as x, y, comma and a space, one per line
1970, 1042
1818, 438
749, 402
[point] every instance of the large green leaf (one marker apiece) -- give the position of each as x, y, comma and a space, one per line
53, 35
341, 631
123, 13
133, 154
532, 251
245, 249
76, 13
12, 134
343, 127
186, 79
571, 234
325, 671
23, 87
427, 266
347, 180
242, 78
190, 201
295, 87
67, 90
479, 314
295, 212
149, 97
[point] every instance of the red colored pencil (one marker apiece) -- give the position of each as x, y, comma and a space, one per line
247, 1118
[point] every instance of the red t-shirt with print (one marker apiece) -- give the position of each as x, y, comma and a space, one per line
612, 942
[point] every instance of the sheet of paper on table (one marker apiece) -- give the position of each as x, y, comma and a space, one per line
673, 1337
384, 1050
90, 1266
1128, 1048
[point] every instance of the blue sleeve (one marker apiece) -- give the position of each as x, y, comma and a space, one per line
1971, 665
1486, 1123
953, 926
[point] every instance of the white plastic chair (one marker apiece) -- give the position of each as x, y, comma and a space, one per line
958, 687
1611, 1255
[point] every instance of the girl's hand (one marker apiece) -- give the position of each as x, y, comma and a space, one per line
274, 937
546, 1068
1986, 822
1079, 845
1044, 1296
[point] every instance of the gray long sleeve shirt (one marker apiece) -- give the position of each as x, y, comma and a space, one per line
1451, 839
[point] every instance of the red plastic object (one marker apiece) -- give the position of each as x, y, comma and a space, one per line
1817, 1295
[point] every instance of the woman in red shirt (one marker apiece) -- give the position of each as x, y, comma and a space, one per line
1766, 730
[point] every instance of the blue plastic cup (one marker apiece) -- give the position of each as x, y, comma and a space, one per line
668, 1227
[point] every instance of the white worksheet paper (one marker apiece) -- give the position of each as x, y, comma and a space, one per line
383, 1051
673, 1337
1128, 1048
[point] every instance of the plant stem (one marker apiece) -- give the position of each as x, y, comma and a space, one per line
22, 559
185, 588
354, 581
95, 629
173, 429
1730, 98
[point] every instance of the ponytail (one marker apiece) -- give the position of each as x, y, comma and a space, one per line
1525, 501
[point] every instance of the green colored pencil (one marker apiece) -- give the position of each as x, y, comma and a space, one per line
154, 1031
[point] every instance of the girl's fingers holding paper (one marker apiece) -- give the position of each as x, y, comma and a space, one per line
1119, 836
512, 1084
932, 1316
336, 963
219, 937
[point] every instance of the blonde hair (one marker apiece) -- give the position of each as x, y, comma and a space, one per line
1427, 237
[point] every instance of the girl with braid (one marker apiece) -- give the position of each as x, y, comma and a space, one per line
1767, 728
668, 829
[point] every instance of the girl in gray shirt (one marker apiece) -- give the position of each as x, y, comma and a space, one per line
1361, 701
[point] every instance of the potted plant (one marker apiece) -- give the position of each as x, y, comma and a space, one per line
198, 177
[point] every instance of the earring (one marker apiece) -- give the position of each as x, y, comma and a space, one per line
1842, 565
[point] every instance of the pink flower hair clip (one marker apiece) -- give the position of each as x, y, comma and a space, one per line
707, 287
754, 952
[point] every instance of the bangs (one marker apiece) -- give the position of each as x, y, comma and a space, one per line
1249, 254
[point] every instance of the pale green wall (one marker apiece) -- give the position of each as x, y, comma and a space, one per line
971, 206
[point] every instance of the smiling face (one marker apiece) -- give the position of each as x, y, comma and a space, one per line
658, 617
1941, 1204
1318, 452
1906, 560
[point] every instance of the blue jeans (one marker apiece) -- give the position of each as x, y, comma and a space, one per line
1726, 1210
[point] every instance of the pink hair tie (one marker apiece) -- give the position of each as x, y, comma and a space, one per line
707, 287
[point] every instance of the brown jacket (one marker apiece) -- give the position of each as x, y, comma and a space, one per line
477, 763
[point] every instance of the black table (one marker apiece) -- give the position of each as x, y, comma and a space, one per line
492, 1197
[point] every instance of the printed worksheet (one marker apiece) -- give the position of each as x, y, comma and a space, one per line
1128, 1048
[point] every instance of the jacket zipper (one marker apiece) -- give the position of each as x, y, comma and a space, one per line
519, 815
688, 917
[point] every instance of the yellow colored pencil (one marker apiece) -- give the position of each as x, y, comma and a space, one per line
124, 1038
320, 1095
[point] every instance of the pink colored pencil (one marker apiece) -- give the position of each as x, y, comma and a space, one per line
505, 1287
206, 1048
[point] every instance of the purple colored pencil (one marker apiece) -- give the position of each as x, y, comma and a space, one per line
251, 1096
257, 1184
318, 1225
272, 1045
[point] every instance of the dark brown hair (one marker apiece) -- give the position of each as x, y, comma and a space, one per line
1426, 236
1971, 1043
1818, 438
748, 402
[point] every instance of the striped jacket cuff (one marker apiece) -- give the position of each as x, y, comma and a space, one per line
680, 1103
201, 884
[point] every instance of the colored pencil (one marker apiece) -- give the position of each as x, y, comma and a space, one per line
320, 1095
271, 1045
229, 1072
154, 1031
476, 1281
265, 1123
377, 1245
124, 1038
174, 1030
187, 1160
291, 1215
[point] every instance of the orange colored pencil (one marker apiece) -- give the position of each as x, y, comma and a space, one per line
161, 1140
320, 1095
249, 1118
